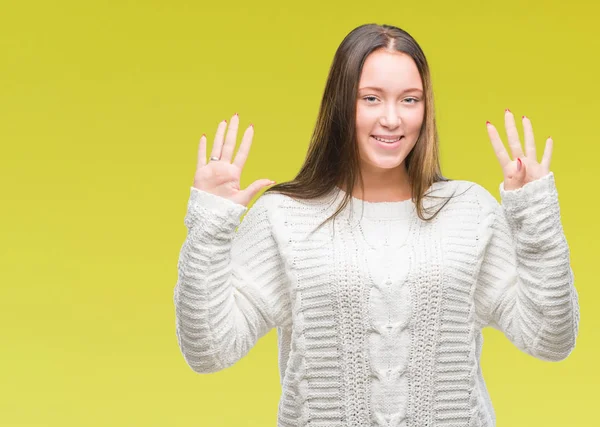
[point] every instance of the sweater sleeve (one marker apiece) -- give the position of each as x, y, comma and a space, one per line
525, 284
232, 287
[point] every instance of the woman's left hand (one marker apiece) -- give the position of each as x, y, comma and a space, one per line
525, 168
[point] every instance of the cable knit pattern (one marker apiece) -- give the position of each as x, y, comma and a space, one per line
379, 315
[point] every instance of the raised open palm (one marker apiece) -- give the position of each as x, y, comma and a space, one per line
222, 177
525, 166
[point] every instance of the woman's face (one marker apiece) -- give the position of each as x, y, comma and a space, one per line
390, 105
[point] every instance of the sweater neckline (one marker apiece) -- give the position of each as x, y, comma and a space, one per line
401, 209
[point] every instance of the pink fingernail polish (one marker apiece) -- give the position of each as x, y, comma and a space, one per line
523, 117
519, 164
488, 123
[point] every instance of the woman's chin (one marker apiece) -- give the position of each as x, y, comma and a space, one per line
386, 163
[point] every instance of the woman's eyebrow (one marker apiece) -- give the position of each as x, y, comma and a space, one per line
412, 89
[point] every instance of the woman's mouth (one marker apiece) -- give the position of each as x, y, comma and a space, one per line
389, 142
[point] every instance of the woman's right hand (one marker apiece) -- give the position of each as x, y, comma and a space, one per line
222, 177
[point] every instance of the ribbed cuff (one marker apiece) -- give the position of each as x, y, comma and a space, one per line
202, 202
531, 192
215, 203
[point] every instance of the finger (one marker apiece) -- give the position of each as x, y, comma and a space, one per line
202, 152
231, 138
242, 154
529, 139
498, 146
512, 134
255, 187
218, 142
547, 156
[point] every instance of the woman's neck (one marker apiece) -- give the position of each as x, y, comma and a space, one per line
384, 186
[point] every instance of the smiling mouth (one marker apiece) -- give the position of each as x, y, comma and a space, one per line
388, 140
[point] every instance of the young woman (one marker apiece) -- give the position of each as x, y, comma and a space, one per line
378, 273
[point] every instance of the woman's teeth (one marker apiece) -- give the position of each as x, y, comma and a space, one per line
387, 140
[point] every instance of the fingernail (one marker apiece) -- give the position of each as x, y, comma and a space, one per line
488, 123
235, 114
507, 110
523, 117
519, 164
224, 121
203, 135
251, 125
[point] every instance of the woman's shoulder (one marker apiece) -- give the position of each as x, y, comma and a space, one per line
467, 191
275, 199
284, 206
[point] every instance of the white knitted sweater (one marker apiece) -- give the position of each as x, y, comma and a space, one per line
379, 318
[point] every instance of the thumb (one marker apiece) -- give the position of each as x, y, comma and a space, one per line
255, 187
515, 178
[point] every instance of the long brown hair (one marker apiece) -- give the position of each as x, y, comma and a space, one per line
333, 156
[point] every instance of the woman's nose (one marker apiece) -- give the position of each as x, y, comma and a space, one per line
390, 118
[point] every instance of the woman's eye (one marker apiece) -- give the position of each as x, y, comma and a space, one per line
373, 99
